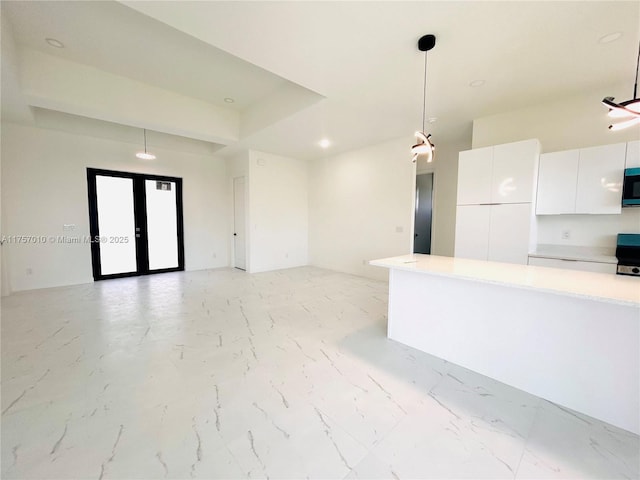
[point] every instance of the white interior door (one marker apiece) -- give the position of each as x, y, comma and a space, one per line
239, 237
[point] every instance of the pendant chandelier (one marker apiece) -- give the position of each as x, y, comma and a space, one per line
424, 147
624, 110
145, 155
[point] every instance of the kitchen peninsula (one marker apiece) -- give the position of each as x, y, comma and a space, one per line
570, 337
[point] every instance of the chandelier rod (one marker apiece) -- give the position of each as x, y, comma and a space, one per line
424, 98
635, 85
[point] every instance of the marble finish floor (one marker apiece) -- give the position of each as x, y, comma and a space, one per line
287, 374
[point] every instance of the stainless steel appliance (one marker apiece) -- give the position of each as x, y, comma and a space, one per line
628, 254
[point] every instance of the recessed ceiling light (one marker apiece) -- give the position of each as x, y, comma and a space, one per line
229, 100
610, 37
324, 143
54, 43
476, 83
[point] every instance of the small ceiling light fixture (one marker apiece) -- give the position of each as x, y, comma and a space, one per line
229, 100
54, 43
629, 108
324, 143
145, 155
424, 147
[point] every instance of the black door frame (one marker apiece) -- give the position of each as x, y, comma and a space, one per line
140, 215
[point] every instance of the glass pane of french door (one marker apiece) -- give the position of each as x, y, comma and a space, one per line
162, 224
116, 223
136, 223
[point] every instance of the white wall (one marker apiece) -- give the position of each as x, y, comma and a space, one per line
361, 205
587, 230
278, 215
574, 122
44, 186
357, 202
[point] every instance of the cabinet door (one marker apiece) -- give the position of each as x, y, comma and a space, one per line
472, 231
513, 172
509, 228
633, 155
557, 180
600, 173
474, 176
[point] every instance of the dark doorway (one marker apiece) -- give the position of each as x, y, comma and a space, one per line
423, 215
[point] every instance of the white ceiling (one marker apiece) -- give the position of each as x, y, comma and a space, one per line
359, 59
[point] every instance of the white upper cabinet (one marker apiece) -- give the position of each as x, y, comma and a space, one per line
600, 172
557, 180
633, 155
498, 174
584, 181
513, 173
474, 176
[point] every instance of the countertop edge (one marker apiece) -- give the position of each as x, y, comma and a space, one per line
409, 266
578, 258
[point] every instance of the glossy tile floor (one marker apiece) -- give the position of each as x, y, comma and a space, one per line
288, 374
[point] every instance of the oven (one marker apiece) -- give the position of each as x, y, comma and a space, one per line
628, 254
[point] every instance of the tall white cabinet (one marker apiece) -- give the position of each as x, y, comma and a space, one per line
495, 197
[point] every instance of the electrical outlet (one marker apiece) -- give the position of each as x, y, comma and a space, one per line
566, 234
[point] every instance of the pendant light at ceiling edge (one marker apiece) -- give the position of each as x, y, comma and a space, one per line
424, 147
629, 108
145, 155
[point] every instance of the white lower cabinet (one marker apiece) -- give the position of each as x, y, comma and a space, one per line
499, 233
573, 265
472, 231
509, 229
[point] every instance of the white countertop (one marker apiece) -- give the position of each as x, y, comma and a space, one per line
584, 254
605, 287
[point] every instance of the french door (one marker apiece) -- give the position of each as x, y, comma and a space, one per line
135, 222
